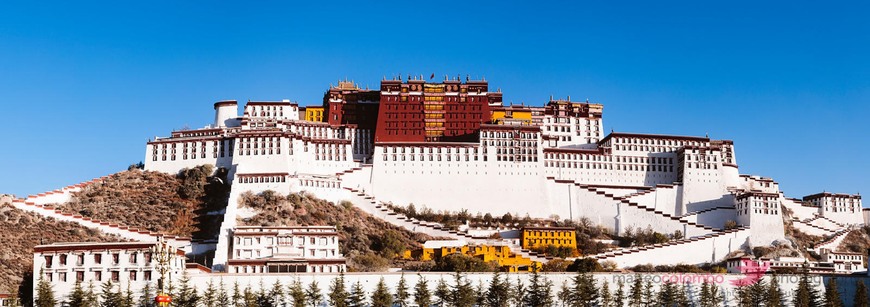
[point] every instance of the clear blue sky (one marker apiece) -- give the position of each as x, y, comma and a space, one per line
83, 85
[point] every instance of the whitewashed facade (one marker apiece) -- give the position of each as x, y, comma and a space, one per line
285, 249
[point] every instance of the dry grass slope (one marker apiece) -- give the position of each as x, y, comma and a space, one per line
368, 242
20, 231
156, 201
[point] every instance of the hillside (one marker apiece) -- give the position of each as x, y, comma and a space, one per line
20, 231
368, 242
156, 201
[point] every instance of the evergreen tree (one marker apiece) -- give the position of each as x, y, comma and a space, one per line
704, 297
540, 291
297, 294
480, 294
649, 298
462, 294
497, 294
249, 298
860, 295
237, 295
381, 297
222, 299
209, 297
743, 297
91, 295
806, 294
619, 296
667, 295
442, 294
635, 292
77, 296
682, 298
402, 294
583, 290
127, 298
186, 295
262, 297
832, 294
422, 296
606, 297
715, 296
312, 294
758, 293
337, 292
44, 293
518, 294
564, 294
276, 294
774, 296
147, 297
357, 295
108, 297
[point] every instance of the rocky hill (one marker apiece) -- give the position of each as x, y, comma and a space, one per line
20, 231
368, 242
157, 201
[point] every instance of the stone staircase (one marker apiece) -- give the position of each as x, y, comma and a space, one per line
648, 209
833, 242
639, 249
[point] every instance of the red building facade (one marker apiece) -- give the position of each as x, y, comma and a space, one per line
419, 111
347, 104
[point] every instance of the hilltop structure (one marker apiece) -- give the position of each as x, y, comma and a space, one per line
453, 145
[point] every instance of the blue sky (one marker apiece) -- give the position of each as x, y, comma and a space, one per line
84, 85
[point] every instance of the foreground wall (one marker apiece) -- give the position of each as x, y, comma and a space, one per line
692, 282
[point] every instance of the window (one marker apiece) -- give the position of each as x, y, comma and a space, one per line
98, 258
98, 275
80, 276
61, 276
48, 261
146, 275
116, 258
133, 275
80, 259
116, 276
62, 259
133, 257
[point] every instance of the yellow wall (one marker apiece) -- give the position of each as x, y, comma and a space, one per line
314, 114
543, 237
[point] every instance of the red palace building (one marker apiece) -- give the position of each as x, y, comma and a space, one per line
420, 111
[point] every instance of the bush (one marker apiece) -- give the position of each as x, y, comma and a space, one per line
585, 265
463, 263
556, 265
369, 262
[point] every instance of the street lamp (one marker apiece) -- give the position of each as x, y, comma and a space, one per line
164, 254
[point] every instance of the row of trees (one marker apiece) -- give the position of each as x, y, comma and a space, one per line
581, 291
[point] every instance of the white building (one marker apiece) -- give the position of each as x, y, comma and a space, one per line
843, 208
122, 263
285, 249
559, 160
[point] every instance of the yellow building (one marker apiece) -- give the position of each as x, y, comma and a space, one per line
541, 237
501, 254
512, 114
314, 113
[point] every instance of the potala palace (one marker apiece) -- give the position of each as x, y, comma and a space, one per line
454, 145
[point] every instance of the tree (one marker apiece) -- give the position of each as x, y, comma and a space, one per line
337, 292
832, 294
44, 293
682, 298
649, 298
480, 294
422, 296
462, 293
564, 294
108, 297
861, 295
774, 297
381, 297
743, 299
209, 297
262, 298
186, 295
237, 295
147, 297
518, 293
667, 294
583, 290
805, 295
90, 295
222, 298
635, 292
77, 296
312, 294
402, 294
606, 297
357, 295
297, 294
540, 291
758, 293
619, 296
497, 294
249, 298
442, 293
585, 265
127, 297
276, 294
